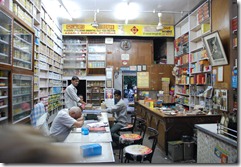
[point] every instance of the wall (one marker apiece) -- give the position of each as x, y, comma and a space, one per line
220, 14
141, 53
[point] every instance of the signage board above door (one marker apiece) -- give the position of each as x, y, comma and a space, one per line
117, 30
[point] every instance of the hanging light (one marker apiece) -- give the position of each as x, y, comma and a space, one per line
159, 25
95, 24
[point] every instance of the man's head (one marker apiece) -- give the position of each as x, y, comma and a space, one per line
75, 80
117, 96
75, 112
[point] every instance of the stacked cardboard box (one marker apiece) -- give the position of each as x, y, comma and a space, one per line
166, 90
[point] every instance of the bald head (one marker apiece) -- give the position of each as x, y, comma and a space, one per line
75, 112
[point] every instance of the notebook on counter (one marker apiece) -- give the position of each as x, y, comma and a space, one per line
97, 129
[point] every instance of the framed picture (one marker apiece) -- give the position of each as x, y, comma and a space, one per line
143, 67
215, 49
220, 74
138, 67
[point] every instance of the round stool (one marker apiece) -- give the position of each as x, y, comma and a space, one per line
127, 139
137, 152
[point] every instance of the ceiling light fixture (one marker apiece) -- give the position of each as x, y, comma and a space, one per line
95, 24
159, 25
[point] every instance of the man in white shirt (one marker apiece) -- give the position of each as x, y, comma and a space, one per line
64, 121
70, 96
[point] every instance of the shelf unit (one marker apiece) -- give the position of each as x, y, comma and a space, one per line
181, 46
234, 54
193, 79
5, 38
48, 64
96, 57
4, 95
95, 91
22, 97
74, 56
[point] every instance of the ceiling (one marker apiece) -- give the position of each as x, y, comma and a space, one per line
172, 11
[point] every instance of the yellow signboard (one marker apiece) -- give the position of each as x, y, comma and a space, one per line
117, 30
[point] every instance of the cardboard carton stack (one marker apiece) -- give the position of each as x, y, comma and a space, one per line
166, 89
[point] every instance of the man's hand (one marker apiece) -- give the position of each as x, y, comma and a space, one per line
81, 118
104, 110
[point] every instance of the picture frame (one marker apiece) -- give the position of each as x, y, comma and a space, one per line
220, 74
139, 68
215, 51
143, 67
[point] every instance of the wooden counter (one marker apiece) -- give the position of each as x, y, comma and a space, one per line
170, 127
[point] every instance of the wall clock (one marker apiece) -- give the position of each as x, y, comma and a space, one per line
125, 44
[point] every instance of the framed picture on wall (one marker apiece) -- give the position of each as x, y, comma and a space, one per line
138, 67
215, 49
143, 67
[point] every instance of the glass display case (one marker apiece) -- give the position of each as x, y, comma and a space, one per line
5, 38
21, 97
4, 75
22, 47
96, 56
74, 56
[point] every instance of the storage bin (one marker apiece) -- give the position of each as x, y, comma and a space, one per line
175, 150
91, 150
188, 150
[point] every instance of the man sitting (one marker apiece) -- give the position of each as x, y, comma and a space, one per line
120, 115
64, 121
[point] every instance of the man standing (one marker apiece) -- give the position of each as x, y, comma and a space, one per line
70, 96
64, 121
120, 115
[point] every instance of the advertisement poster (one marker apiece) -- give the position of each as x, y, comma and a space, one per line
117, 30
142, 79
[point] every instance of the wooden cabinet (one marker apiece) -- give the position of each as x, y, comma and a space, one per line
16, 71
170, 127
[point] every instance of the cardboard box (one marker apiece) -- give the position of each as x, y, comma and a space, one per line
166, 98
88, 106
166, 80
188, 150
175, 150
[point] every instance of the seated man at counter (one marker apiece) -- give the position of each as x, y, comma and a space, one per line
64, 121
120, 114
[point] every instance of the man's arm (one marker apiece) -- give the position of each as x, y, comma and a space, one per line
78, 123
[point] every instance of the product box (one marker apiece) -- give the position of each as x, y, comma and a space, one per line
91, 150
166, 98
175, 150
88, 106
188, 150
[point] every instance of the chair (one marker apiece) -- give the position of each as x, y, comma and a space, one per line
130, 126
132, 152
134, 138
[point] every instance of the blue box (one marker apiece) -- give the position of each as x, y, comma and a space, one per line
91, 150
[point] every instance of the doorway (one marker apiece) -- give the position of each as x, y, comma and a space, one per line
129, 89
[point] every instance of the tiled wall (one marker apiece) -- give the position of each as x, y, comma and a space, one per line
213, 150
